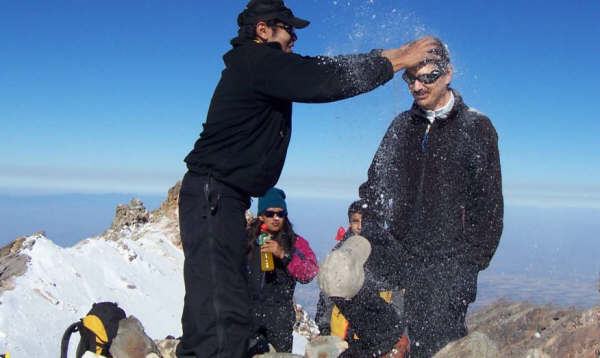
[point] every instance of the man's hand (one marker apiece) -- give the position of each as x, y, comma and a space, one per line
273, 247
411, 54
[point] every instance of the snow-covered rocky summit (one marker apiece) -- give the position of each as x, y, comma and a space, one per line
131, 220
137, 262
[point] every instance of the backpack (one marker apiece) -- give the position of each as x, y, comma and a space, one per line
340, 326
97, 330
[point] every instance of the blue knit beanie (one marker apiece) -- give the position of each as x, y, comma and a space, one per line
274, 198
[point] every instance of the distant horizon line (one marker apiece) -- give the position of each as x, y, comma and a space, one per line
511, 200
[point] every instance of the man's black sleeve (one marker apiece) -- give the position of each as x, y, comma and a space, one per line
485, 207
307, 79
378, 193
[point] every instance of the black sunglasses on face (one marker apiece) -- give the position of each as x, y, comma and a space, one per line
427, 78
270, 213
289, 29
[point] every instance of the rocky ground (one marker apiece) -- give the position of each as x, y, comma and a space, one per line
523, 330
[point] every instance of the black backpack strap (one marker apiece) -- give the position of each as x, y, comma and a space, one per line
64, 344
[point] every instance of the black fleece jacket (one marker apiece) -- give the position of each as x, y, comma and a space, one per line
248, 127
439, 196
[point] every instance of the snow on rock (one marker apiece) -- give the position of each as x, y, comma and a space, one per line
305, 326
12, 265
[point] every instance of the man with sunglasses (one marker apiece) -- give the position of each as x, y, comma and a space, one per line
241, 152
434, 212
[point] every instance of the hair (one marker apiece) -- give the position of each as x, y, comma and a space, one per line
441, 50
286, 237
248, 32
355, 208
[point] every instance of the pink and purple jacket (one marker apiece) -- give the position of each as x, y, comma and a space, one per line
303, 265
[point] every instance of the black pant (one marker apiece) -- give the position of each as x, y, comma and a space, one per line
216, 311
436, 302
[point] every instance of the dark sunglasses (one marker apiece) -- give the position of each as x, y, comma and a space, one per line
289, 29
270, 213
427, 78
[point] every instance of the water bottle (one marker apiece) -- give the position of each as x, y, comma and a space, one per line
266, 258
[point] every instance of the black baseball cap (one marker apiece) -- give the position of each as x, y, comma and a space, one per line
263, 10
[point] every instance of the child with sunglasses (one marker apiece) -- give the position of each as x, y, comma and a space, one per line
272, 292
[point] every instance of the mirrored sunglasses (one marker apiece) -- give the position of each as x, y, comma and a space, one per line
270, 213
426, 78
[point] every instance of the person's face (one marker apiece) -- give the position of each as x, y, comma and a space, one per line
429, 96
356, 223
280, 32
271, 217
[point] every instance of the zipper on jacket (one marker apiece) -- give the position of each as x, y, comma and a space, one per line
424, 140
421, 186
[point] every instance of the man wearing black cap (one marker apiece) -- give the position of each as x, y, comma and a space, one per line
241, 152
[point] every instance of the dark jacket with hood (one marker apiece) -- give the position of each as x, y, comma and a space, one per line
248, 127
272, 292
438, 195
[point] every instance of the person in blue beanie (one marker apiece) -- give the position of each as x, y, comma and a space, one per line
272, 292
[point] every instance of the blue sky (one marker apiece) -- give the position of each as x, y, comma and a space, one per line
110, 96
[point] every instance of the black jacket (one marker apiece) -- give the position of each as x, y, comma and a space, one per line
438, 196
248, 126
272, 292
